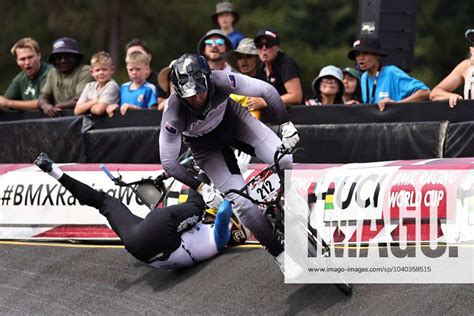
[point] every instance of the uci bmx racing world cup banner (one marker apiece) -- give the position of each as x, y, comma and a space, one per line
33, 205
384, 222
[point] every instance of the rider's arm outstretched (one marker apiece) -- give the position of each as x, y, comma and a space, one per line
245, 85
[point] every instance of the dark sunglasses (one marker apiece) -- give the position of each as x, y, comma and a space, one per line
268, 44
245, 56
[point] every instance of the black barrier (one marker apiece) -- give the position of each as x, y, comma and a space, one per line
125, 144
459, 140
343, 143
369, 113
340, 134
131, 119
61, 137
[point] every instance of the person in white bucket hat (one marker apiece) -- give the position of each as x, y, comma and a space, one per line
327, 87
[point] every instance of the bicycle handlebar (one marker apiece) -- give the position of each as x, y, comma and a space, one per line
107, 172
279, 154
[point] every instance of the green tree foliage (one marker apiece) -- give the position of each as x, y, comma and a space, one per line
314, 32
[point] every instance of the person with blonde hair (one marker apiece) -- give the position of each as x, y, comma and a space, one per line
277, 68
138, 93
24, 90
102, 92
137, 44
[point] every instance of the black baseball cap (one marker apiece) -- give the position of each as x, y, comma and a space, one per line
65, 45
269, 33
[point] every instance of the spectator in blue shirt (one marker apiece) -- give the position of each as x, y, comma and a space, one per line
138, 93
384, 84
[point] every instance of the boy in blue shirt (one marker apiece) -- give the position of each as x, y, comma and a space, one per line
384, 84
136, 94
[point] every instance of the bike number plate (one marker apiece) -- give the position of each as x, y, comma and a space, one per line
265, 187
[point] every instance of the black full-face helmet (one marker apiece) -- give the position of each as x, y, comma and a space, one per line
192, 75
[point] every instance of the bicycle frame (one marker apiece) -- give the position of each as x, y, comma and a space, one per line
273, 209
150, 192
273, 168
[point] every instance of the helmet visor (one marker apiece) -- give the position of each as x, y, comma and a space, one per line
189, 86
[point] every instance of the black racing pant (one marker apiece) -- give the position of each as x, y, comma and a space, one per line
158, 233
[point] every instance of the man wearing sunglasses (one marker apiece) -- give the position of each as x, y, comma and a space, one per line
212, 46
277, 68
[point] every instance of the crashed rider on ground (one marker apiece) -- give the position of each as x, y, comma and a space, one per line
211, 125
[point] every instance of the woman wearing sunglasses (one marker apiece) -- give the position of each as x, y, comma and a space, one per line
328, 87
277, 68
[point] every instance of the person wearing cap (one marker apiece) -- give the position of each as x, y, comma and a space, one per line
165, 83
225, 18
246, 55
382, 84
277, 68
24, 90
328, 87
351, 82
463, 73
245, 58
65, 83
137, 44
213, 45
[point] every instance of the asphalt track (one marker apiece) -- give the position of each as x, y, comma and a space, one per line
76, 279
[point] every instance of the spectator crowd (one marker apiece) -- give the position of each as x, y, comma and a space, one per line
68, 81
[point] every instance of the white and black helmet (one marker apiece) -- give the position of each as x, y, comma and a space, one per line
192, 75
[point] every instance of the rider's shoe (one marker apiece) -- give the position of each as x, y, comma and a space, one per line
44, 162
291, 269
47, 165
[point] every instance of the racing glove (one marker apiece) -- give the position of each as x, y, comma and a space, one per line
211, 196
289, 135
243, 160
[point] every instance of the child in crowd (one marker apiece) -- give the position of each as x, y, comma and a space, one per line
104, 91
328, 87
137, 93
351, 82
